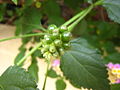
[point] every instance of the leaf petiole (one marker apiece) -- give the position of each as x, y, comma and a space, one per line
27, 55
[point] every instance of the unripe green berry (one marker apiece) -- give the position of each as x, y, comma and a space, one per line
55, 36
52, 49
48, 40
66, 45
51, 28
58, 42
47, 55
46, 47
66, 36
63, 29
56, 54
43, 42
56, 30
61, 50
43, 50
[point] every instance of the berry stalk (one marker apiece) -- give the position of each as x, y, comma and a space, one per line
77, 18
22, 36
30, 53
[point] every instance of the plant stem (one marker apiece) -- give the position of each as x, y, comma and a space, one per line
74, 18
46, 75
22, 36
100, 2
79, 19
81, 15
27, 55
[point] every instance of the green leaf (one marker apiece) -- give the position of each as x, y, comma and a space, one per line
52, 10
28, 2
113, 9
83, 67
19, 56
38, 53
15, 1
114, 58
81, 28
106, 30
115, 87
29, 21
16, 78
60, 84
33, 69
57, 20
109, 47
52, 73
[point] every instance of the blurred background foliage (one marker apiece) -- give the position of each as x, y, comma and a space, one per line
97, 28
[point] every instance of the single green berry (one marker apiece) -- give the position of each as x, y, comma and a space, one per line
58, 42
56, 30
63, 29
55, 36
52, 49
48, 40
47, 55
52, 27
46, 36
66, 45
61, 50
46, 47
43, 50
56, 54
66, 36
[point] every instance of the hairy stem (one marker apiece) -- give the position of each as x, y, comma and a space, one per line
22, 36
27, 55
46, 75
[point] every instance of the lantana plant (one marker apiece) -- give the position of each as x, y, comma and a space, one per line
67, 57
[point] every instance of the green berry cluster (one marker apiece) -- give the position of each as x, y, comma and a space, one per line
56, 41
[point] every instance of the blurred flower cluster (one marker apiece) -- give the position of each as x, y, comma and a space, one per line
114, 73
